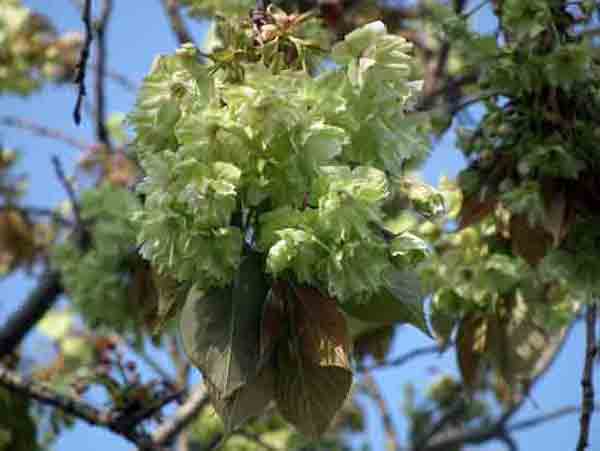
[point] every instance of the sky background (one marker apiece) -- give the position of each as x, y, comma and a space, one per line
139, 31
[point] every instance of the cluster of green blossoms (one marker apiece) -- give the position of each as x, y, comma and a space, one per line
100, 280
292, 165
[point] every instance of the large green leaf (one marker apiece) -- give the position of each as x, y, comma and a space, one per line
220, 329
403, 302
246, 402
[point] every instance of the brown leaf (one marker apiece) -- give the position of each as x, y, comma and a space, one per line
528, 242
321, 328
471, 343
474, 209
309, 395
374, 343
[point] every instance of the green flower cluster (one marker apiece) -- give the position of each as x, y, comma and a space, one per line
99, 280
294, 165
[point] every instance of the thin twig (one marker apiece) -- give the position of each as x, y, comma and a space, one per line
178, 27
41, 130
182, 417
257, 439
101, 129
86, 17
587, 380
403, 359
68, 186
498, 430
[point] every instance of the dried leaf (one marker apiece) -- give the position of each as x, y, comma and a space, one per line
471, 343
220, 329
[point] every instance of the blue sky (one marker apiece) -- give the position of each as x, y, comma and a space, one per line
137, 33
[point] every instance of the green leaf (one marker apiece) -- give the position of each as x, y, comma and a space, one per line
246, 402
220, 329
402, 302
171, 295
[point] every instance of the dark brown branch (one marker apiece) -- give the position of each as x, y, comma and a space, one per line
40, 130
178, 27
68, 405
587, 380
40, 300
101, 130
86, 17
404, 358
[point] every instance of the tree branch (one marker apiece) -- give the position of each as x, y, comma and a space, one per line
71, 406
182, 417
40, 130
403, 359
101, 130
178, 27
587, 380
41, 299
86, 17
498, 430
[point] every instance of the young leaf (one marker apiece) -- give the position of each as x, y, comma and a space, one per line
401, 303
220, 329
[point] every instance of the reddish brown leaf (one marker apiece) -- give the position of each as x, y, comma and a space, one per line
474, 209
529, 242
321, 328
